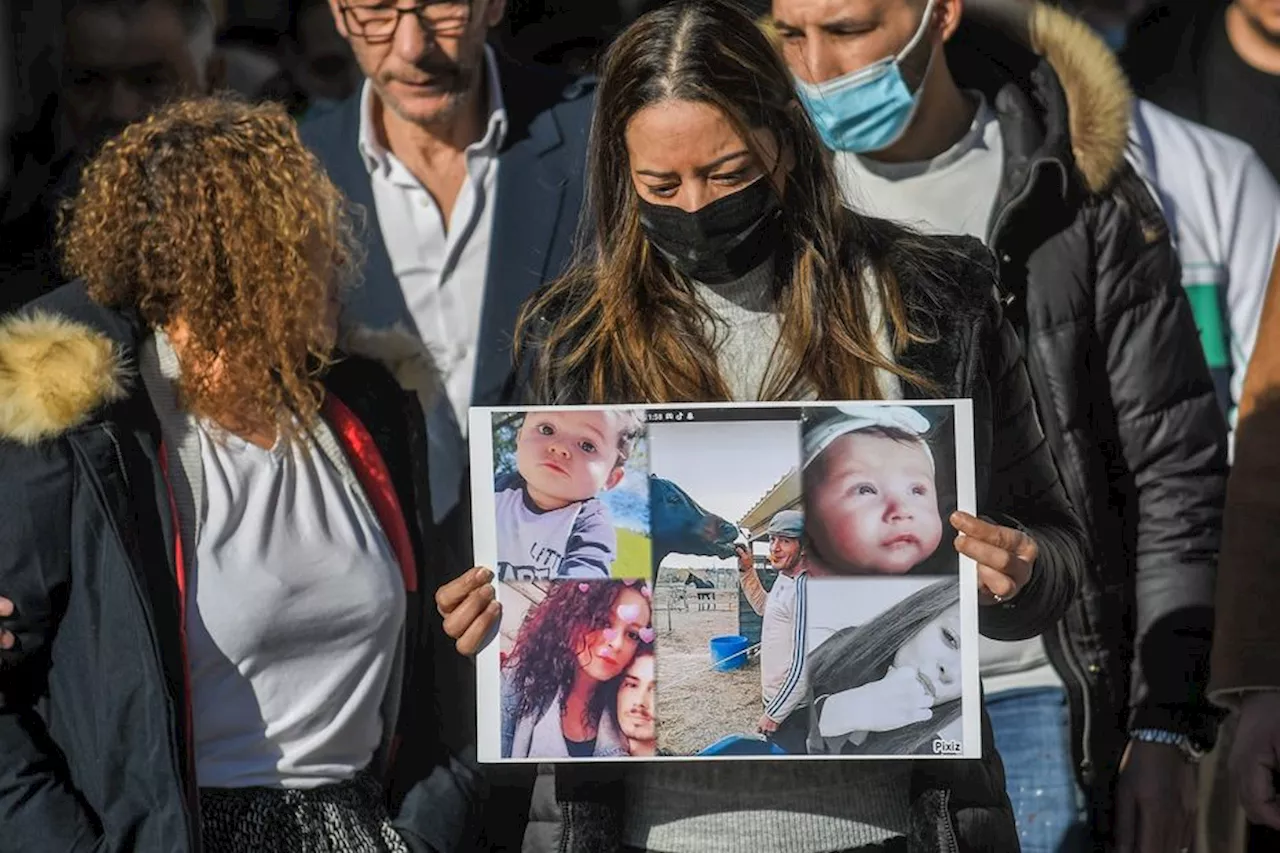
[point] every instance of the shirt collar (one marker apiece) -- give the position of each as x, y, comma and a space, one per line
377, 158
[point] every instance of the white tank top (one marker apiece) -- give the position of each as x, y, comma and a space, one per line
295, 607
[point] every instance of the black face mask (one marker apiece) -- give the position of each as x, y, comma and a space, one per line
722, 241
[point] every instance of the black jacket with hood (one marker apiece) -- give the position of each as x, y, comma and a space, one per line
1121, 384
971, 352
95, 740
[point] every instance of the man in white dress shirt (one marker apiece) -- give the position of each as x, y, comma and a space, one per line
469, 169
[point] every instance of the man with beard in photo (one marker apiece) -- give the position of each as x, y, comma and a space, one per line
636, 705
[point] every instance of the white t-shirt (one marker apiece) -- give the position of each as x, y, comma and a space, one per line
575, 541
951, 194
295, 608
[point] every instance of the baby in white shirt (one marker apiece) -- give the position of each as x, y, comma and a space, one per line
551, 524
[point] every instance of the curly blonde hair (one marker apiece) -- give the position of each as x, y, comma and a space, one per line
211, 213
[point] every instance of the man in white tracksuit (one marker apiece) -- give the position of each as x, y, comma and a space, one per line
783, 679
1223, 209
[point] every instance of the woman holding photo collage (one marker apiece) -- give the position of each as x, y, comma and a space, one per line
724, 267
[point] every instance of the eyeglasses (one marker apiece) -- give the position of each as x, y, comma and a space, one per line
447, 19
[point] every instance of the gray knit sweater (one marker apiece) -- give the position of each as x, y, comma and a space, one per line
782, 806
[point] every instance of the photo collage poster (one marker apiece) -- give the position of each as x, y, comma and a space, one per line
727, 581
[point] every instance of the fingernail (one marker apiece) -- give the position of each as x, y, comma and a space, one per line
489, 592
494, 606
484, 575
6, 641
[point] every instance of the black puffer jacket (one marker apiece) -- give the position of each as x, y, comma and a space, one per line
957, 806
1121, 384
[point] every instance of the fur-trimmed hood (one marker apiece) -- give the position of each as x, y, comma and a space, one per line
1098, 97
54, 374
65, 359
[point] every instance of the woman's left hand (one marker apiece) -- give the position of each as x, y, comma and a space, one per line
1005, 557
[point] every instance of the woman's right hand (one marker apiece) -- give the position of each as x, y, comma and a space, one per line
7, 640
897, 700
470, 608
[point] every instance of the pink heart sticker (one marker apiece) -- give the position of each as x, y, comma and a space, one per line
646, 592
646, 634
629, 612
584, 587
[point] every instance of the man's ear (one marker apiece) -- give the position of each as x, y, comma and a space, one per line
949, 13
615, 476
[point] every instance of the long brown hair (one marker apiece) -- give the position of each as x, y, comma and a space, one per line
630, 328
212, 212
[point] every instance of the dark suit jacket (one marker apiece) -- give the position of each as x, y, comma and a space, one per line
541, 169
539, 195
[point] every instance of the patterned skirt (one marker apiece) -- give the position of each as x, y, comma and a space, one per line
349, 817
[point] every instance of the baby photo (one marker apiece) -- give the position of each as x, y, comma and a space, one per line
578, 671
885, 668
571, 495
879, 486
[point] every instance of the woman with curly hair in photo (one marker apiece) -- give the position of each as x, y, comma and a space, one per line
210, 525
561, 679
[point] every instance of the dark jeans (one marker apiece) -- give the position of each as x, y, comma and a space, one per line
1033, 737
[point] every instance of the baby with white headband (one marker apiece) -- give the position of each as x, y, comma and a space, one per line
869, 485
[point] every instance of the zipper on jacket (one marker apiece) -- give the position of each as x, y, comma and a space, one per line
175, 745
950, 844
115, 444
1028, 187
1036, 372
1086, 723
566, 826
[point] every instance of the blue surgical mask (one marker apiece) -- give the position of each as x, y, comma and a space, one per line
868, 109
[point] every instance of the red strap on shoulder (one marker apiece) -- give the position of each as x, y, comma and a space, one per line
372, 473
180, 570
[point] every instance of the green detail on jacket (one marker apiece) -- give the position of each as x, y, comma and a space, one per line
1206, 305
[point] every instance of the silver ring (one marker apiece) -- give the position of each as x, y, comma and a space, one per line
999, 598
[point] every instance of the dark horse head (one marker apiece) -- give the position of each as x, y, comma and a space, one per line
699, 582
680, 526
